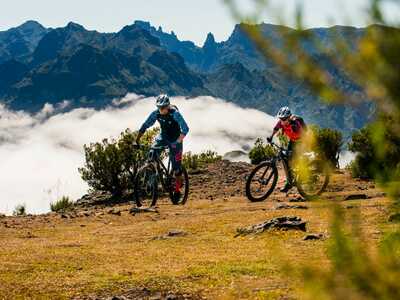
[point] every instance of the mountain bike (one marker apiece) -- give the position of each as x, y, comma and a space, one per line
153, 176
311, 179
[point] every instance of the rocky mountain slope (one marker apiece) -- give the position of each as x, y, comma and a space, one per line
91, 69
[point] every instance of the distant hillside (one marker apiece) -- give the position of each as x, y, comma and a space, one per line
91, 68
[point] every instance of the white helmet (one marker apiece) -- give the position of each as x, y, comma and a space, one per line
284, 113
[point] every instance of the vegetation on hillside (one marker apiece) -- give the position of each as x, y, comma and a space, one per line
62, 204
111, 165
20, 210
195, 162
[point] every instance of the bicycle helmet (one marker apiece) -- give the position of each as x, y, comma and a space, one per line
284, 113
162, 101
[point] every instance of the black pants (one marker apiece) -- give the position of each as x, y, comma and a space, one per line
290, 152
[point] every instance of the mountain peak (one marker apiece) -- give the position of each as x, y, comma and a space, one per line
143, 24
210, 41
31, 24
74, 26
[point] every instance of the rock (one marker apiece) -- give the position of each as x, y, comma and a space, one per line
135, 210
176, 233
395, 217
118, 298
282, 223
285, 206
114, 212
170, 234
171, 297
356, 197
63, 216
310, 237
297, 199
2, 216
30, 235
379, 195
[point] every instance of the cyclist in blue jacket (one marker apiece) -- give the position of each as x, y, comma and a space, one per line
173, 130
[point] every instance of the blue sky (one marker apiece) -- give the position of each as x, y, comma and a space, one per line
190, 19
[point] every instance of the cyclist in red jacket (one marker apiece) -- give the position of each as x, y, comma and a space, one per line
293, 127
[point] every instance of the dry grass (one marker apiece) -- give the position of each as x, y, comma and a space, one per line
50, 257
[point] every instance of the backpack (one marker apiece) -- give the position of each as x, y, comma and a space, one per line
301, 121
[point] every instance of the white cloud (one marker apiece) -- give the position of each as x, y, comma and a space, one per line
40, 154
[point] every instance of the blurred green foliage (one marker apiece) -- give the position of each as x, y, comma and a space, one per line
378, 153
355, 270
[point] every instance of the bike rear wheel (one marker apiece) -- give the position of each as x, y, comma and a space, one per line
184, 189
261, 182
146, 186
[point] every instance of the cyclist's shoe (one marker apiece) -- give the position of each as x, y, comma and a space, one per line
288, 186
177, 197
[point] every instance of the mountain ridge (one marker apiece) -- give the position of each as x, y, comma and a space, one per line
97, 67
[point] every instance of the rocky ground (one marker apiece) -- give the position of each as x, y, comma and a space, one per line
214, 247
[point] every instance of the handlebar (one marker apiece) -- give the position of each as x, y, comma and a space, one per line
140, 146
275, 145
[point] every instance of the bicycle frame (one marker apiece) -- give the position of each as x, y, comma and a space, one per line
154, 158
280, 156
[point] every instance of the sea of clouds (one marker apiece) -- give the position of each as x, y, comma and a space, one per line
40, 154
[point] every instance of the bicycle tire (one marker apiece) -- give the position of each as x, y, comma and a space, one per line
185, 195
153, 186
274, 173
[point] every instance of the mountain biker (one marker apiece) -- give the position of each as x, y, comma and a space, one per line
173, 131
292, 126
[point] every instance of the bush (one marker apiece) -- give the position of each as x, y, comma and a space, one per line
328, 144
194, 162
20, 210
111, 165
61, 205
261, 152
378, 151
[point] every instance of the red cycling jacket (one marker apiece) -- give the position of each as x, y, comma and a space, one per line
293, 129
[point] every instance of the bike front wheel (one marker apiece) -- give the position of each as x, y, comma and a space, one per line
261, 182
313, 181
182, 196
146, 186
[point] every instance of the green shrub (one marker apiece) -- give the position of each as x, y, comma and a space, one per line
111, 165
194, 162
328, 144
61, 205
378, 151
261, 152
20, 210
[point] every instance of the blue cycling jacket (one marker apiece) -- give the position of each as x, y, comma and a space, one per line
172, 124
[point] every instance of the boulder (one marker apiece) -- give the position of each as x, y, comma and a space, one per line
281, 223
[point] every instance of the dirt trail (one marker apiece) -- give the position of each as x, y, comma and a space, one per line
176, 252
